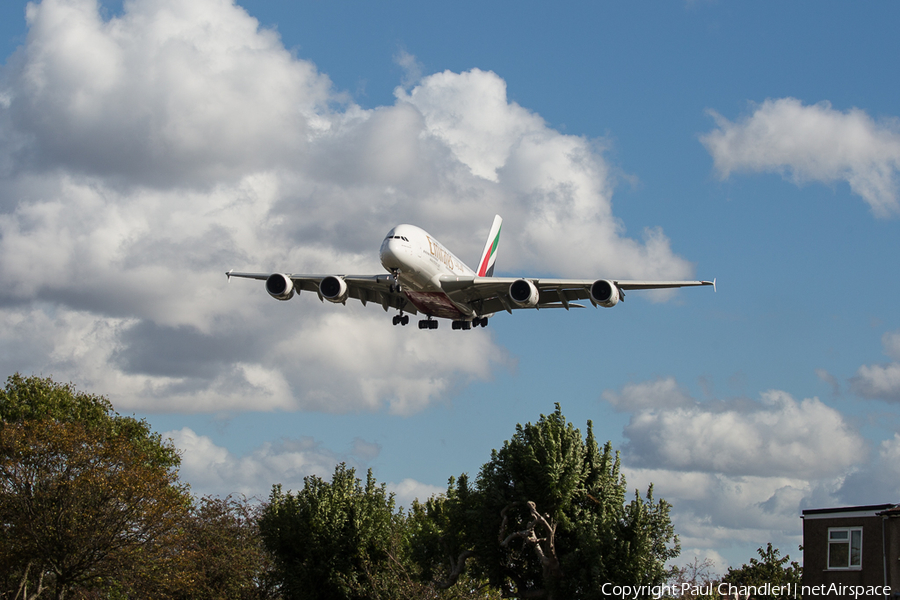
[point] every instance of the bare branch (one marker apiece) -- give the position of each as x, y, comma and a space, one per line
456, 571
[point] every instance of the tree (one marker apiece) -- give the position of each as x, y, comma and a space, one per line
771, 569
220, 553
695, 580
439, 539
548, 518
328, 538
88, 498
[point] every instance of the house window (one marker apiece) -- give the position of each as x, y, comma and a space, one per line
845, 548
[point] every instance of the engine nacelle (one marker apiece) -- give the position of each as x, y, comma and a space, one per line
524, 293
280, 286
605, 293
334, 289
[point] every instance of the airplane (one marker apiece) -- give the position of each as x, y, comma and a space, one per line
425, 277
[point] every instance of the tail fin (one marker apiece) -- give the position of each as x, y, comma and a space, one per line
489, 254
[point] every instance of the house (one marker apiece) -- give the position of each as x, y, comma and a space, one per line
852, 552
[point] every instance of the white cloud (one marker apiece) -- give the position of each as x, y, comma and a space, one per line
470, 113
718, 513
144, 155
660, 393
170, 92
738, 472
882, 381
878, 481
813, 143
409, 489
777, 436
214, 470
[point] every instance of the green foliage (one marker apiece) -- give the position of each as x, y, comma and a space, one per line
772, 569
220, 554
40, 399
79, 509
87, 498
548, 517
441, 532
91, 506
327, 537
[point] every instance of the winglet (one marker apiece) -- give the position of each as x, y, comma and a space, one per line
714, 285
489, 254
228, 274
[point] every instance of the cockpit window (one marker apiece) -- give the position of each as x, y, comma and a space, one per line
397, 237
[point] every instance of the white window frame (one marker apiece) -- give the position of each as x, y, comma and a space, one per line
848, 536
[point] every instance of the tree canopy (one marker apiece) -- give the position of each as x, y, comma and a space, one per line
547, 518
771, 568
86, 496
91, 506
329, 539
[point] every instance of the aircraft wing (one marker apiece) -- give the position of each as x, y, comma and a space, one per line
493, 294
365, 288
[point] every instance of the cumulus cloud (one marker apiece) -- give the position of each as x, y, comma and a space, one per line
738, 471
776, 436
882, 381
169, 93
722, 511
813, 143
879, 479
660, 393
143, 155
409, 489
214, 470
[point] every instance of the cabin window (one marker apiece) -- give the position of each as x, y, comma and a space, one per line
845, 548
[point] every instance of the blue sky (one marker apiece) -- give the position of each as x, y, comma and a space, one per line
148, 147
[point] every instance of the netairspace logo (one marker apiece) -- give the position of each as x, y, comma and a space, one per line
633, 592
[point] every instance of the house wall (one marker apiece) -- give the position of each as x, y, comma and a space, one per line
815, 552
892, 545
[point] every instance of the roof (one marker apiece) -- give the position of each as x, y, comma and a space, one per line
870, 510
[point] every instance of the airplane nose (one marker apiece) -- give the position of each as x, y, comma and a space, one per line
389, 258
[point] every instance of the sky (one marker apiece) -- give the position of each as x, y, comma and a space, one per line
147, 147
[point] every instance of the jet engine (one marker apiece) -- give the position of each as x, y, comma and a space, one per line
605, 293
334, 289
524, 293
280, 286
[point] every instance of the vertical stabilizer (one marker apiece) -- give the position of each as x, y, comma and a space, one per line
489, 255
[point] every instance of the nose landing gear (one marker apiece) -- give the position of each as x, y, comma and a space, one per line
395, 286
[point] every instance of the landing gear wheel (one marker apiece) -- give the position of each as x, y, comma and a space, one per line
428, 323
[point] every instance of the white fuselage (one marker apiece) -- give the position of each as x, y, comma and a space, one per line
419, 261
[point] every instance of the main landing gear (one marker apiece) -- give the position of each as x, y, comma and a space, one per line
431, 323
476, 322
428, 323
